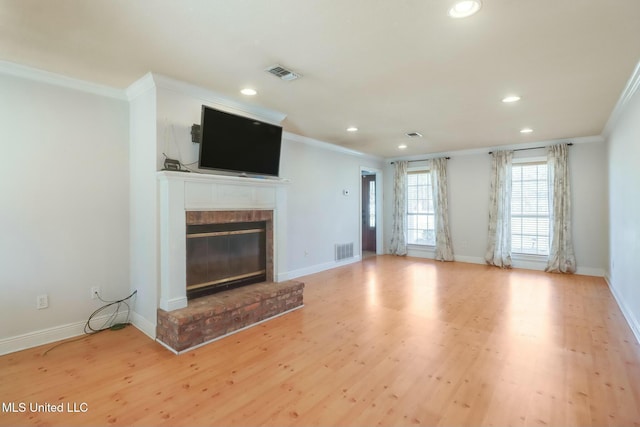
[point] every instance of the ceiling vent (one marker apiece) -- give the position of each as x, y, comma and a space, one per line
414, 135
282, 73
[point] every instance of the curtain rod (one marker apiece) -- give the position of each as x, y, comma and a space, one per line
532, 148
424, 160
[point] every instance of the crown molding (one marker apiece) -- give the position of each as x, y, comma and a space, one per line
629, 90
328, 146
208, 97
140, 86
42, 76
485, 150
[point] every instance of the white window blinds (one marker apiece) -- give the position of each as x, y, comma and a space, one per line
529, 209
420, 209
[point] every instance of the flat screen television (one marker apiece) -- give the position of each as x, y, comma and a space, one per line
238, 144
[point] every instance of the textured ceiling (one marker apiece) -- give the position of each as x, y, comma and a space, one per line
387, 67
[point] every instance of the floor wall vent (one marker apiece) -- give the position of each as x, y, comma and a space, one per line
344, 251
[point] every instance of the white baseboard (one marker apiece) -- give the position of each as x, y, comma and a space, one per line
46, 336
142, 324
469, 259
518, 262
173, 303
316, 269
428, 252
633, 322
590, 271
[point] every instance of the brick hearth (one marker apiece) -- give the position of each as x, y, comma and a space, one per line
212, 316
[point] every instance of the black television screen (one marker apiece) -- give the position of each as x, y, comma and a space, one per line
233, 143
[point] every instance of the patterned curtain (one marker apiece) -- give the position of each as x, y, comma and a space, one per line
444, 251
398, 229
561, 256
499, 244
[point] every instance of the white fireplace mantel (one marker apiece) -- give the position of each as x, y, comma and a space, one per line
180, 192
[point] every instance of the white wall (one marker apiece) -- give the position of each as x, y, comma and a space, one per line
624, 211
143, 214
64, 207
468, 177
318, 215
590, 212
78, 202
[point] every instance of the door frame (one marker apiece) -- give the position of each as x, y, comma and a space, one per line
379, 208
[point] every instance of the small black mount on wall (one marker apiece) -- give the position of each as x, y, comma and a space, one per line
195, 134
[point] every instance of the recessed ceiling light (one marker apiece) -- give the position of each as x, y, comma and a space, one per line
526, 130
248, 91
402, 146
465, 8
511, 98
352, 129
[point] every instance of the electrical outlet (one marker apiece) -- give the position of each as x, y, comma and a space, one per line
42, 301
95, 291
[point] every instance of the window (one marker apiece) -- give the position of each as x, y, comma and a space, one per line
529, 209
372, 204
420, 212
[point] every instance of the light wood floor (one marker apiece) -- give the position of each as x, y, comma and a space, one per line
389, 341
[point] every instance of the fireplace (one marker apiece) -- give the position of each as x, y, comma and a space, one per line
227, 249
187, 200
201, 204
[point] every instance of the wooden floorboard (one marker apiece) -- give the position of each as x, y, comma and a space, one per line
387, 341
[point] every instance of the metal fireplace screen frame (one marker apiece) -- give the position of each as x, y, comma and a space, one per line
224, 256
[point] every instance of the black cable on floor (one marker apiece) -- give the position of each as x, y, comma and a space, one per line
109, 322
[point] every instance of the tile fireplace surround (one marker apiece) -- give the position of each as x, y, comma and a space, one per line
183, 195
